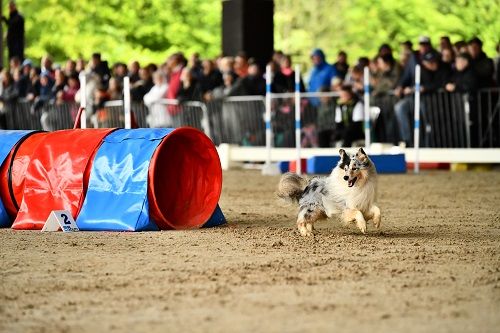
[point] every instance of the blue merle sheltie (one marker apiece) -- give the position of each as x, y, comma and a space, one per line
348, 192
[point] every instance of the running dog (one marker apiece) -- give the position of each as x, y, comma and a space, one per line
348, 192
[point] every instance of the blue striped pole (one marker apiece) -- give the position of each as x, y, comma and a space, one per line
416, 129
267, 117
366, 86
297, 118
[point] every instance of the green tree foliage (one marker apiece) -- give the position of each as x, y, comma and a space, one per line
361, 26
149, 30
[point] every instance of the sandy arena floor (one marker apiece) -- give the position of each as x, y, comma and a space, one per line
433, 267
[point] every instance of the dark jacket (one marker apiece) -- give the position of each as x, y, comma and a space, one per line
249, 85
137, 93
484, 68
286, 80
211, 81
347, 129
15, 35
465, 81
9, 94
386, 81
102, 69
407, 78
23, 85
191, 93
432, 81
342, 69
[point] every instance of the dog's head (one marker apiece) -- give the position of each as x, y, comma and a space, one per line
355, 166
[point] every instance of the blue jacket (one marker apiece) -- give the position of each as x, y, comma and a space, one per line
322, 74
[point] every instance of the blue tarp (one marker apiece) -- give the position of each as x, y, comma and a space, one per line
8, 140
117, 193
384, 163
216, 219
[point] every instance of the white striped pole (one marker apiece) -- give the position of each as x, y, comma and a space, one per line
126, 102
298, 167
366, 87
83, 100
267, 116
416, 129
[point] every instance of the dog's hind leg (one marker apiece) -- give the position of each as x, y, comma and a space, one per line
303, 221
306, 219
376, 216
354, 215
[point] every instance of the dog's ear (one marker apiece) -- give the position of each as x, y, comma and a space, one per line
361, 155
344, 158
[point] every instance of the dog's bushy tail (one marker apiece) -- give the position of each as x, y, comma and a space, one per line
291, 187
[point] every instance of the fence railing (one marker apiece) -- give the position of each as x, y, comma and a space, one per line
447, 119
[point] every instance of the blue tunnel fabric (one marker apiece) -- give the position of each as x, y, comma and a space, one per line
216, 219
8, 139
117, 197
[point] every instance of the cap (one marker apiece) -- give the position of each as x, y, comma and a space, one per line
424, 40
27, 62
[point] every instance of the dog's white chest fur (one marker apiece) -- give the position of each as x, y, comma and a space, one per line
340, 196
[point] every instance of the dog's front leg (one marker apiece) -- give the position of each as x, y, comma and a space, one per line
305, 227
350, 215
373, 215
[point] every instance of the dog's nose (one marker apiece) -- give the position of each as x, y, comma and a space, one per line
346, 177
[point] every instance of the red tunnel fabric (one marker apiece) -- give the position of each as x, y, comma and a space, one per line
9, 140
185, 178
17, 162
55, 177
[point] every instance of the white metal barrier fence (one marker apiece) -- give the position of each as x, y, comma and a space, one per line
286, 120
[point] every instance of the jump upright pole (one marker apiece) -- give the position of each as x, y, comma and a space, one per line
126, 102
367, 126
416, 129
297, 118
267, 117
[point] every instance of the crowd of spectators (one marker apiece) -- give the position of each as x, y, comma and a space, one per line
459, 67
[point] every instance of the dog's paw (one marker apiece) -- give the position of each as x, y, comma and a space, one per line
305, 233
376, 222
361, 225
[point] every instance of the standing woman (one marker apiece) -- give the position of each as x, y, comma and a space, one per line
8, 98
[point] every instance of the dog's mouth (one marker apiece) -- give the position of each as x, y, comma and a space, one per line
351, 182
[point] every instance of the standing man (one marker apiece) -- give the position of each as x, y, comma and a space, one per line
15, 32
321, 74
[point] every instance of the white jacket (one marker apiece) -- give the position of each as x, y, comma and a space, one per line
158, 114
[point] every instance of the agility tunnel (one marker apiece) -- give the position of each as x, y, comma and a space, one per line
110, 179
